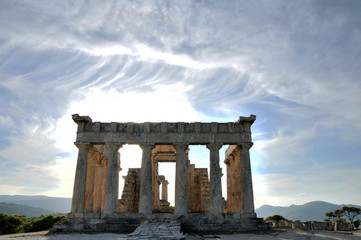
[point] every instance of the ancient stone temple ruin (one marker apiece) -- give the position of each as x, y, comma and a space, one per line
199, 206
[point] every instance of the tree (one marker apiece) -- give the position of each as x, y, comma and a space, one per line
276, 218
351, 213
335, 216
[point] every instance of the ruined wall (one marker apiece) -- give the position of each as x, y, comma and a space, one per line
233, 163
197, 189
129, 202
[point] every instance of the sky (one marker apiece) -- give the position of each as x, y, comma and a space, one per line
294, 64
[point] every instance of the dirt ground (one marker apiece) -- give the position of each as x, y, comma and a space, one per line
290, 234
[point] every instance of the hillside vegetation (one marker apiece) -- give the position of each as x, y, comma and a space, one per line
21, 210
18, 224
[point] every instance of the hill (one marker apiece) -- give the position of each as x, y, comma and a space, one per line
55, 204
15, 209
307, 212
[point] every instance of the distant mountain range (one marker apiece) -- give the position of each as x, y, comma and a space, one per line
22, 210
312, 211
52, 204
43, 205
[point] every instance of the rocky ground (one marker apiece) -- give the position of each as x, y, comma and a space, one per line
290, 234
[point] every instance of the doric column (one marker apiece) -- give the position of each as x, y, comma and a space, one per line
155, 183
181, 180
229, 179
90, 180
215, 179
165, 190
246, 180
78, 201
97, 185
112, 178
145, 198
103, 178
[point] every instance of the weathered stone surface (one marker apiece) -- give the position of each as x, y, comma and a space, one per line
165, 224
215, 179
158, 229
78, 201
112, 179
181, 180
145, 198
191, 133
197, 189
129, 202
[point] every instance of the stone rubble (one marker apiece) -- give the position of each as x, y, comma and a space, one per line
157, 229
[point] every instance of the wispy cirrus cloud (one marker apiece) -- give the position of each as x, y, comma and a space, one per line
294, 64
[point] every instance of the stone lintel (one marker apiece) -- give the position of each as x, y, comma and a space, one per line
242, 125
166, 139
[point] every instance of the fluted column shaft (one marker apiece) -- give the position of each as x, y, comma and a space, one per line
145, 198
215, 180
78, 200
90, 180
112, 178
181, 180
246, 180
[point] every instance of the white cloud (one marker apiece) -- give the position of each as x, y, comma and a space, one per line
160, 103
34, 146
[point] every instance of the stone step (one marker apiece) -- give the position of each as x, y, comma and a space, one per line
158, 229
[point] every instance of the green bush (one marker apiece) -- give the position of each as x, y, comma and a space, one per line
276, 218
43, 223
11, 224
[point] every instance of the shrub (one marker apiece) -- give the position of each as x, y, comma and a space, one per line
44, 223
276, 218
11, 224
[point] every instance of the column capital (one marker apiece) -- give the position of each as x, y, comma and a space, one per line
164, 182
214, 146
147, 146
83, 145
181, 146
113, 145
247, 145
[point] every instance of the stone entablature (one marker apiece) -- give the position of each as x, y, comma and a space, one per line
164, 132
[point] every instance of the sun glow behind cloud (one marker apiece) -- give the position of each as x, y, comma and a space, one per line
159, 103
